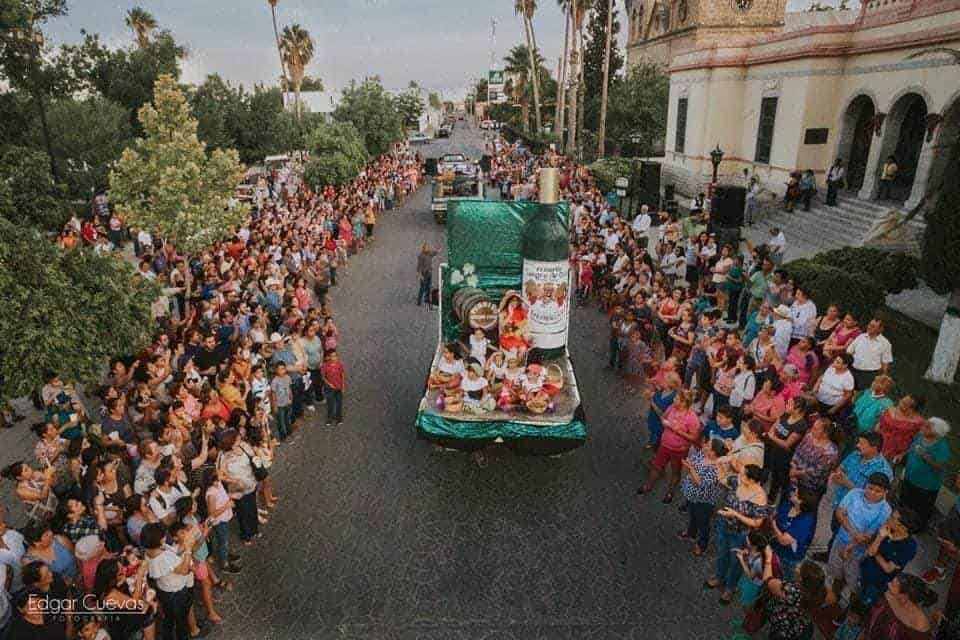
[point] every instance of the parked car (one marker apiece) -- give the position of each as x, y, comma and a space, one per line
486, 124
419, 138
444, 131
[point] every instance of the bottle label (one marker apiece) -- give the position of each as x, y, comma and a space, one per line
546, 293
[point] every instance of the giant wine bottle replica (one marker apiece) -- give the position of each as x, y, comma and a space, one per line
546, 273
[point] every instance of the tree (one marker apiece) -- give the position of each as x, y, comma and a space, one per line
28, 195
637, 113
167, 182
602, 133
593, 55
337, 154
526, 9
482, 89
940, 267
284, 84
88, 136
126, 76
435, 101
23, 59
516, 64
577, 10
372, 111
559, 117
65, 311
410, 106
311, 84
219, 109
143, 24
297, 47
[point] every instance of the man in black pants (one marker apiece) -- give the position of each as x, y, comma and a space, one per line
425, 271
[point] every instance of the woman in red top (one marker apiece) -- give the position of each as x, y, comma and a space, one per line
898, 425
681, 429
214, 406
899, 614
842, 335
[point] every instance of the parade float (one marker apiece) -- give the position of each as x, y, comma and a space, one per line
501, 372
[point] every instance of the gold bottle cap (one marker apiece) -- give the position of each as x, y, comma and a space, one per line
549, 185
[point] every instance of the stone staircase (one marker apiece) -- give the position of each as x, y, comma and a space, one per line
824, 228
848, 224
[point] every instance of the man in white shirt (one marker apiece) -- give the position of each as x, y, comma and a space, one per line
641, 226
872, 354
834, 181
803, 314
782, 329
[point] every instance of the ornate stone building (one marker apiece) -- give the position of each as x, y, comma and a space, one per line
784, 91
660, 30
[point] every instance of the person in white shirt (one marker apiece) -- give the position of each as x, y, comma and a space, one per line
834, 180
144, 242
744, 384
803, 314
834, 389
782, 330
171, 568
872, 354
777, 245
641, 227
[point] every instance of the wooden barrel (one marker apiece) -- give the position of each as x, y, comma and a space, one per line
474, 308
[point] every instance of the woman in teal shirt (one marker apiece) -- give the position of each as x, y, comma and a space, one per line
871, 403
756, 321
926, 465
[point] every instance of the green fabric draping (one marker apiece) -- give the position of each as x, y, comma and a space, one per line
467, 430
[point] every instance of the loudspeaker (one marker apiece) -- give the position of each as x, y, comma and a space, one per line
726, 208
649, 190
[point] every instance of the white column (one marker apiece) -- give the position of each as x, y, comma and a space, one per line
922, 176
869, 189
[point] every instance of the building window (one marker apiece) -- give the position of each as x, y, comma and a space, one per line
681, 140
768, 120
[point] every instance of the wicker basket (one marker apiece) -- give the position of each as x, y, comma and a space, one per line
537, 406
554, 375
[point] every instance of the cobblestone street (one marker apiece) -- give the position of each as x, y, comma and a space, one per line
377, 536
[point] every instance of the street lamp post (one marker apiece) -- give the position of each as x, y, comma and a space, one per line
716, 157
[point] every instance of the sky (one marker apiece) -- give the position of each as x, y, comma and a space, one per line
441, 44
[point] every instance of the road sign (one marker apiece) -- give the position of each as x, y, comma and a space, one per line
622, 183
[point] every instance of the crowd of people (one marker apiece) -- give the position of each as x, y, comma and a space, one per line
134, 504
765, 411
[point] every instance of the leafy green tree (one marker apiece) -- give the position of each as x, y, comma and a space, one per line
337, 154
372, 111
219, 109
637, 111
310, 83
434, 100
25, 62
65, 311
255, 136
126, 76
29, 196
88, 136
167, 182
410, 105
593, 54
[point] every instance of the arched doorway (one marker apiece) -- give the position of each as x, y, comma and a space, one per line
906, 129
855, 139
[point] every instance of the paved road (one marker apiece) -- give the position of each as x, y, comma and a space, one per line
379, 537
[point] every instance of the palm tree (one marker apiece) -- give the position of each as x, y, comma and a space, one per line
297, 47
601, 151
283, 67
526, 10
516, 64
577, 10
143, 23
560, 112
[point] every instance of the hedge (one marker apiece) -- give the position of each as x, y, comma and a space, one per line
605, 172
853, 292
893, 272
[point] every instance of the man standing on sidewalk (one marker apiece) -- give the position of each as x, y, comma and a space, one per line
425, 271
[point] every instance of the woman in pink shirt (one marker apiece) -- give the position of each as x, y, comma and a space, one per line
681, 429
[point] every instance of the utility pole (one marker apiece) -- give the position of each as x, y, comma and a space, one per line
493, 53
602, 146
